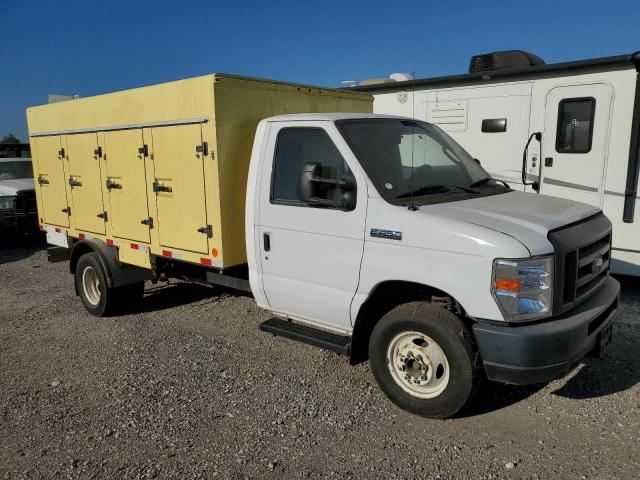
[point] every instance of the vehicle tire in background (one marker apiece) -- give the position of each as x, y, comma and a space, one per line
97, 297
424, 359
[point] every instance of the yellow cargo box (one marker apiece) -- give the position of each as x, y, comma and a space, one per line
162, 169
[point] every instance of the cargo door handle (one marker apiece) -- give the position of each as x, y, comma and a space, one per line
102, 215
266, 240
148, 222
203, 149
97, 153
208, 229
66, 210
161, 187
113, 185
43, 181
143, 151
73, 182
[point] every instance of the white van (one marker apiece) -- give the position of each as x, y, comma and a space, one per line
578, 124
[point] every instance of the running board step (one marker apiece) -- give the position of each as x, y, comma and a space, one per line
340, 344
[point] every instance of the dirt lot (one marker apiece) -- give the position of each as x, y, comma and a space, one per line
188, 387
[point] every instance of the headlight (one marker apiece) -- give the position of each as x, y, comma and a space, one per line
8, 202
523, 288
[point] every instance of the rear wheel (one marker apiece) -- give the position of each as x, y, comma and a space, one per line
97, 297
424, 359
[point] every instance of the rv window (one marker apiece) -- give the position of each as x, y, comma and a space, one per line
575, 125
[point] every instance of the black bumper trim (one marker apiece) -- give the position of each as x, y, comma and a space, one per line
541, 352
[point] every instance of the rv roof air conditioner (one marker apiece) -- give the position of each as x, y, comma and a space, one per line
502, 60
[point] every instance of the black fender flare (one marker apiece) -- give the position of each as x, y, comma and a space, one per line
117, 274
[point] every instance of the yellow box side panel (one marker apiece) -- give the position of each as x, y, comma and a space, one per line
239, 105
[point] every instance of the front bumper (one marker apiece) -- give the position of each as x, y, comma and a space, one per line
541, 352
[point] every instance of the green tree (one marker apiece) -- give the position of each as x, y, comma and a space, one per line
11, 138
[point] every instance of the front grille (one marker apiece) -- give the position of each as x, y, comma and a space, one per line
577, 247
26, 200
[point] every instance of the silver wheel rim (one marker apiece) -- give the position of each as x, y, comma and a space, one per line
91, 285
418, 364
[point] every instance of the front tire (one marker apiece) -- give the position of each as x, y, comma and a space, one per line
424, 359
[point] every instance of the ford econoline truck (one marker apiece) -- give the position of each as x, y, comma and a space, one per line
373, 236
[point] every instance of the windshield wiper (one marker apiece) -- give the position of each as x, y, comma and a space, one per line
486, 180
434, 189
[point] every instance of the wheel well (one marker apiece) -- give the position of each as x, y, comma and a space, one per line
384, 298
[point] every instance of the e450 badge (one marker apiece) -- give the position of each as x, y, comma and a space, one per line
389, 234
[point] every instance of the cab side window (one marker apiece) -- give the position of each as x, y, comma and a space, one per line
295, 147
575, 125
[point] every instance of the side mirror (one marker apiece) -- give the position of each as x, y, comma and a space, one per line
311, 187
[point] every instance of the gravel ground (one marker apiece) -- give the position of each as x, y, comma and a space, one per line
187, 387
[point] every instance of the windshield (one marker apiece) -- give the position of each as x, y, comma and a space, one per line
409, 160
15, 170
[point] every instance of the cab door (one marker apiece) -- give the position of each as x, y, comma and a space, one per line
574, 142
52, 180
179, 187
85, 182
310, 255
126, 184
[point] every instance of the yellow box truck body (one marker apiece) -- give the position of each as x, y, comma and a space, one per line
162, 170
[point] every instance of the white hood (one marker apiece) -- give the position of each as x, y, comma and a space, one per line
528, 217
11, 187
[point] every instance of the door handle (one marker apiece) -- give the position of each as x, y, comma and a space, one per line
74, 182
548, 162
161, 187
42, 180
266, 240
102, 215
111, 184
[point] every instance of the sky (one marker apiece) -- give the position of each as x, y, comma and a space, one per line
90, 47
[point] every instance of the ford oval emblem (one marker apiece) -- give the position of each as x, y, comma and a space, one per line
596, 265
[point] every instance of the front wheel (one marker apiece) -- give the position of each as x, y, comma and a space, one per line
424, 359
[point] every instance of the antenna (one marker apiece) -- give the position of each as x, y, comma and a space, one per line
413, 207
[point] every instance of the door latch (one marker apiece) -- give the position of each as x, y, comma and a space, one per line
97, 153
208, 229
102, 215
148, 222
266, 240
42, 180
61, 153
73, 182
143, 151
66, 210
203, 148
548, 162
113, 185
161, 187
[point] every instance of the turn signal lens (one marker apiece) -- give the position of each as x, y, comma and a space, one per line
508, 284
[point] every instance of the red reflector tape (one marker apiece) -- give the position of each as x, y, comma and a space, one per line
166, 253
109, 242
81, 235
134, 246
58, 230
205, 261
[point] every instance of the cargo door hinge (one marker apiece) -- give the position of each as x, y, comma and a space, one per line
103, 216
148, 222
207, 229
203, 149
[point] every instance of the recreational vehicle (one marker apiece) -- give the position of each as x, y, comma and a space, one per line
566, 129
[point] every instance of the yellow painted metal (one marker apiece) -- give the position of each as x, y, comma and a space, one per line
126, 175
139, 258
52, 185
179, 179
85, 182
172, 118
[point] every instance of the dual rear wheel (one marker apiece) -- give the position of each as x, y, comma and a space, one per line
97, 297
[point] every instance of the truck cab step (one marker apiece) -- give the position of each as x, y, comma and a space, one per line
340, 344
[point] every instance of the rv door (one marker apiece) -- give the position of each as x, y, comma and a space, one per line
574, 142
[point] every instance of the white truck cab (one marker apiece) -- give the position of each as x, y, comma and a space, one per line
383, 230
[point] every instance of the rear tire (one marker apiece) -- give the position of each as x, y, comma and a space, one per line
424, 359
97, 297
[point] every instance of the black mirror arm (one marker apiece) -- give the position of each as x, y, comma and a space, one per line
534, 184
